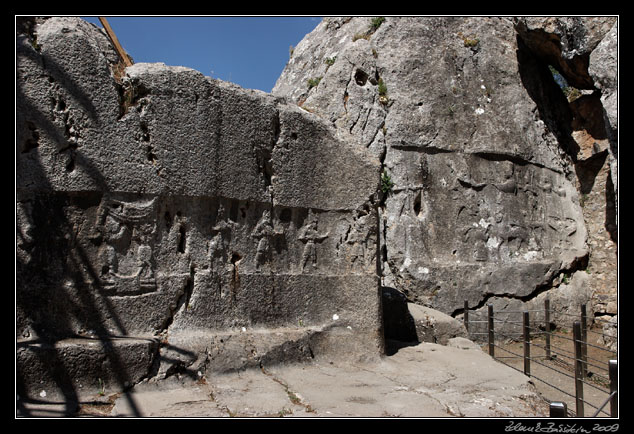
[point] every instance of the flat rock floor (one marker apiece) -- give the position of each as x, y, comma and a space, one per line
425, 380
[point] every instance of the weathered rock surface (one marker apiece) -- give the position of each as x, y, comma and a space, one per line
486, 154
434, 326
426, 380
169, 224
227, 228
609, 336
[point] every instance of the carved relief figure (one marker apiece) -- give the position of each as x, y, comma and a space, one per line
310, 236
220, 232
357, 240
127, 230
264, 232
215, 246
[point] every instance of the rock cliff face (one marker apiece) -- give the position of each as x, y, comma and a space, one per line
503, 187
169, 222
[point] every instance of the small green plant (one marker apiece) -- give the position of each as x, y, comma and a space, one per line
285, 411
382, 92
291, 50
376, 22
313, 82
330, 60
469, 41
34, 44
572, 93
386, 183
102, 387
293, 397
382, 88
361, 35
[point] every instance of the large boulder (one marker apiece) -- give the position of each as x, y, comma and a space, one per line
479, 145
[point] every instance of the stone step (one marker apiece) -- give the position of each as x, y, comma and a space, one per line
71, 369
76, 369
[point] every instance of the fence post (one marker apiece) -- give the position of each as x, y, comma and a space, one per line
466, 315
527, 347
578, 369
491, 335
558, 409
614, 376
547, 320
584, 340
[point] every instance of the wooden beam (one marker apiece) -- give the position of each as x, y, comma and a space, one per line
113, 38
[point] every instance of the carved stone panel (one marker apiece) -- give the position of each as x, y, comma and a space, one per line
128, 232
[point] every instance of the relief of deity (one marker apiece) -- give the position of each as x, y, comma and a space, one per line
310, 236
127, 230
264, 232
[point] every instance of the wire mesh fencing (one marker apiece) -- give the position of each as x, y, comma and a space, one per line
578, 377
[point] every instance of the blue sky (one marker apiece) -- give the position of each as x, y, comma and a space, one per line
248, 51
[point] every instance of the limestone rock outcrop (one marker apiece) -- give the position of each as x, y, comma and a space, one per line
489, 166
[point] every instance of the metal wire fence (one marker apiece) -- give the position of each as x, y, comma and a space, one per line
531, 343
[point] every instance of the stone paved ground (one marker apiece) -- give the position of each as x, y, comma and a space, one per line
425, 380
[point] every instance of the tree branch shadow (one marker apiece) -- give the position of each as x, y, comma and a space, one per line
56, 283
